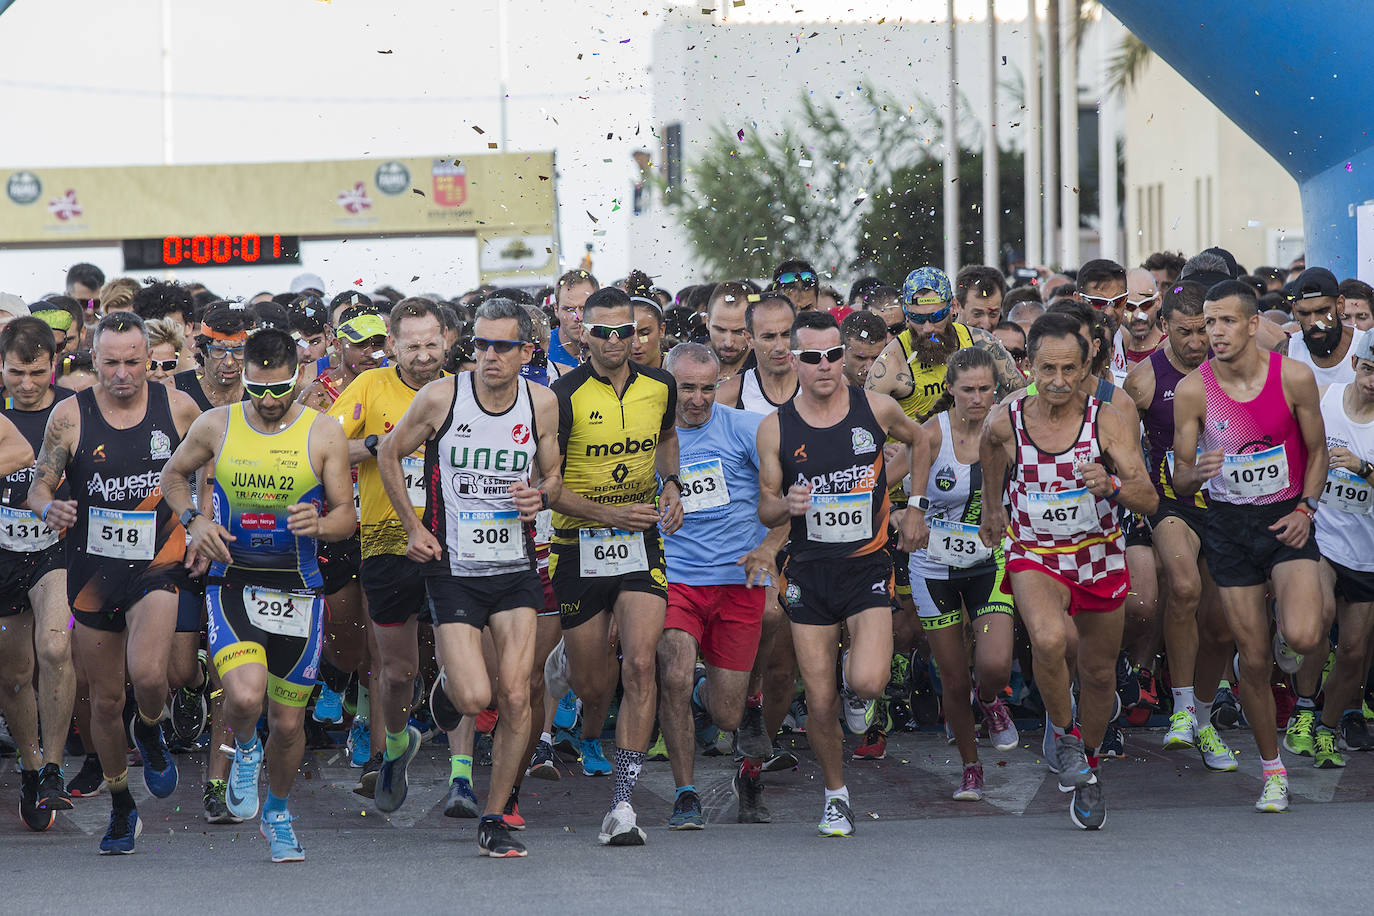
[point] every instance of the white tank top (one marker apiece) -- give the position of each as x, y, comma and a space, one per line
1345, 525
1340, 374
470, 465
955, 493
751, 396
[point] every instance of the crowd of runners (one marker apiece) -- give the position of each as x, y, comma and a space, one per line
508, 520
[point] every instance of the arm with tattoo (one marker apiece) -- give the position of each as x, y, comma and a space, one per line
59, 440
1009, 377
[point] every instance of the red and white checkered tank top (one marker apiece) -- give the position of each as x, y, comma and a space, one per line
1054, 520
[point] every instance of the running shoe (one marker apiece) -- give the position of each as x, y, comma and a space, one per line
216, 809
359, 744
543, 766
367, 782
461, 800
749, 791
1289, 661
1297, 738
1355, 734
392, 785
1113, 743
276, 829
1149, 689
752, 735
328, 707
618, 828
899, 677
89, 780
1001, 729
511, 813
124, 829
1366, 711
1325, 756
971, 786
836, 819
594, 762
31, 813
1127, 682
795, 720
565, 717
1225, 709
1089, 809
1073, 763
494, 840
52, 790
658, 751
1047, 747
858, 713
874, 746
446, 715
565, 743
686, 812
189, 710
159, 769
1216, 756
556, 672
780, 759
241, 794
1274, 798
1182, 731
482, 747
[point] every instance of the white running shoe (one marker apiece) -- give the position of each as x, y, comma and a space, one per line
1216, 756
837, 819
1289, 661
1001, 730
858, 713
1274, 798
619, 827
1183, 731
556, 672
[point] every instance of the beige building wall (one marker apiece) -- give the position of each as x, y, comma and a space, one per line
1194, 179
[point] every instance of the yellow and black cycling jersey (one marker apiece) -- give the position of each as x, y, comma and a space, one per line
927, 382
608, 440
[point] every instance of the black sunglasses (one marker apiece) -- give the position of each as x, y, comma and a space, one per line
805, 278
814, 357
482, 344
1017, 354
895, 329
604, 331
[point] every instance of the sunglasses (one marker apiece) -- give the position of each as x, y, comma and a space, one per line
932, 318
895, 329
220, 352
1017, 353
814, 357
1143, 304
794, 277
166, 365
1103, 302
604, 331
269, 389
483, 344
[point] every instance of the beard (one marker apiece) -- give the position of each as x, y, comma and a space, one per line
935, 349
1322, 343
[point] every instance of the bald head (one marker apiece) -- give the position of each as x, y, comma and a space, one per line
1140, 284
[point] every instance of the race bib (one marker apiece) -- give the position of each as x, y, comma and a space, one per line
1062, 513
1256, 473
22, 532
1169, 460
611, 552
121, 535
956, 544
1348, 492
543, 526
357, 499
282, 613
703, 486
840, 518
414, 470
490, 537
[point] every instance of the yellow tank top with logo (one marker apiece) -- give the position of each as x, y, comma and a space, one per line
927, 385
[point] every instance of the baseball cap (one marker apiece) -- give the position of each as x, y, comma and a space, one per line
13, 304
927, 278
363, 327
1316, 283
304, 282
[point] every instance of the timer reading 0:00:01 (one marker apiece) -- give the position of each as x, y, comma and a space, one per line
217, 249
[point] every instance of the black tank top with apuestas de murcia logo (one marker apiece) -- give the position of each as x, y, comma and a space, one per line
21, 530
844, 466
123, 526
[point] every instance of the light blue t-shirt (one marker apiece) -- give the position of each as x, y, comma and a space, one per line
720, 477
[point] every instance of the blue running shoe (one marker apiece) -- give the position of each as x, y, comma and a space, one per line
159, 769
594, 762
359, 743
124, 828
461, 801
276, 829
390, 792
566, 716
241, 794
328, 707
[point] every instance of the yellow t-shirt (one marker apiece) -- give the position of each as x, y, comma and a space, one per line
372, 405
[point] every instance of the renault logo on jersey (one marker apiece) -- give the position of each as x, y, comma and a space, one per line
628, 447
620, 473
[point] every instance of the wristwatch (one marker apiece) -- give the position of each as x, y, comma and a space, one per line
189, 516
1310, 505
370, 443
919, 503
672, 478
543, 500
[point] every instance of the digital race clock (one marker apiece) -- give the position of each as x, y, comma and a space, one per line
211, 251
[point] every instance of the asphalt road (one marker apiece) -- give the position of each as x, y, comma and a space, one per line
1177, 837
